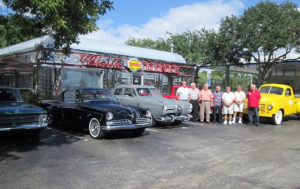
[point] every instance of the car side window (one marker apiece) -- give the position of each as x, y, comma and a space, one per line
129, 92
288, 92
70, 96
118, 91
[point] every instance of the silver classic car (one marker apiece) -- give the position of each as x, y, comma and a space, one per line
163, 110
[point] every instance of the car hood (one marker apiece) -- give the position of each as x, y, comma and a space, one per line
119, 111
168, 102
270, 98
19, 108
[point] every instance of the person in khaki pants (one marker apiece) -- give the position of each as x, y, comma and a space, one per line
206, 102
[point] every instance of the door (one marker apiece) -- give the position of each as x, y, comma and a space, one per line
70, 107
119, 93
137, 79
290, 106
130, 97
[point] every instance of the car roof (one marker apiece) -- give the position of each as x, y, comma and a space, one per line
136, 86
86, 88
275, 85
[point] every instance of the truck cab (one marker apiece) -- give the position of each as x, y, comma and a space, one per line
278, 101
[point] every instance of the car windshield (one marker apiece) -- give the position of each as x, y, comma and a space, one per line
10, 95
271, 90
148, 92
97, 95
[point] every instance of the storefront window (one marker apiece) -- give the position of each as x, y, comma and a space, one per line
80, 78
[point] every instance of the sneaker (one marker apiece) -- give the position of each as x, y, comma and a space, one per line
225, 122
240, 122
230, 122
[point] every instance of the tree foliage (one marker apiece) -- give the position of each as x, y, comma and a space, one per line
64, 20
265, 33
195, 46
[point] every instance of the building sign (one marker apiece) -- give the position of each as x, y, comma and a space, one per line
122, 63
134, 64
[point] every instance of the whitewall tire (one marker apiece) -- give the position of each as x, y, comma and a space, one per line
277, 118
95, 129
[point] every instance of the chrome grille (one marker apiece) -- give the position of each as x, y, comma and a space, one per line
142, 120
18, 119
262, 107
120, 122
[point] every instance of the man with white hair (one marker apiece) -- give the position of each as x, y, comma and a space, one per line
253, 104
238, 106
228, 100
193, 99
183, 92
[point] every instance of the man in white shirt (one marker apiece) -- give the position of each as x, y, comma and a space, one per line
238, 105
228, 100
183, 92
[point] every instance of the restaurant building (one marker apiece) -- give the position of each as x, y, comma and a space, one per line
36, 66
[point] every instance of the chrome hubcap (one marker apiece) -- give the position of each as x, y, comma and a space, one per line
278, 117
94, 127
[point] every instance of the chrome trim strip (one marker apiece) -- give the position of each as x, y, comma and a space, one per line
25, 127
125, 127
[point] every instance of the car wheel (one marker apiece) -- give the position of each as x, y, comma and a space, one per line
153, 122
95, 129
50, 119
277, 118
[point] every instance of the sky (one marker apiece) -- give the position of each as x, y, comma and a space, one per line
154, 18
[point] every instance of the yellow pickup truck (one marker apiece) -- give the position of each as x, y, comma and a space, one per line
278, 101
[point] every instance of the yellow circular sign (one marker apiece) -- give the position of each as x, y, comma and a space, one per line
134, 64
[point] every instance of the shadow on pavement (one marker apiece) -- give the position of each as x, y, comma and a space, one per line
12, 143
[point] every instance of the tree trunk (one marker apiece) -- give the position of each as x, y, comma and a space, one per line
265, 71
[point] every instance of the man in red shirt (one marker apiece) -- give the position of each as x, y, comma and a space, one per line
253, 104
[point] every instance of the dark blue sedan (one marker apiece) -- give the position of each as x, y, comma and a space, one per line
15, 115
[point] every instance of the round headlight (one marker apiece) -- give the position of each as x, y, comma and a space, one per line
270, 107
165, 108
148, 113
43, 119
179, 108
109, 116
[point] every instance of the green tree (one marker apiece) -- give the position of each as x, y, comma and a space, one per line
196, 47
266, 33
64, 20
202, 78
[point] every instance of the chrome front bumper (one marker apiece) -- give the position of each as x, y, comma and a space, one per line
172, 118
125, 125
25, 126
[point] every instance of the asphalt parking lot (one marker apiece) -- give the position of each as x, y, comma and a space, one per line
191, 155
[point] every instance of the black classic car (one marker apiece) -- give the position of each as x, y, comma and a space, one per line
16, 115
97, 110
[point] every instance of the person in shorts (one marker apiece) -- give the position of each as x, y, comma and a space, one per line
228, 100
238, 106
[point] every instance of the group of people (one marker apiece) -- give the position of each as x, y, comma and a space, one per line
222, 104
